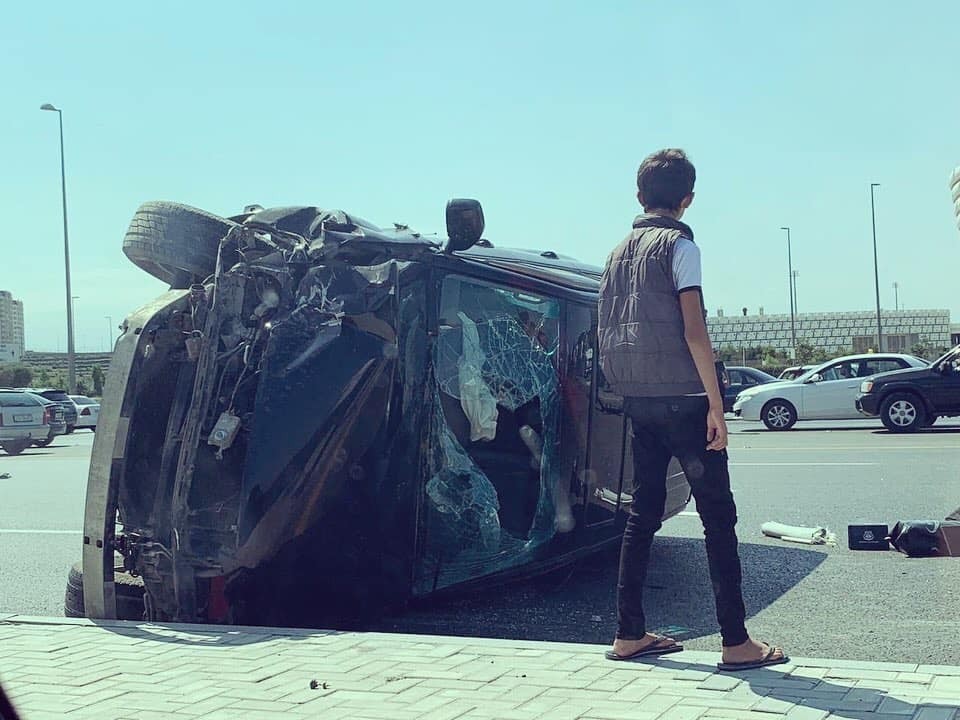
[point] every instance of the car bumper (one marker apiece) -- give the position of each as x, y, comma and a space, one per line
85, 421
31, 432
748, 409
868, 404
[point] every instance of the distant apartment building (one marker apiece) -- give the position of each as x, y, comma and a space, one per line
838, 333
11, 328
955, 334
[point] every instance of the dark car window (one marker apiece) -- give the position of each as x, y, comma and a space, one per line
58, 395
872, 367
17, 400
83, 400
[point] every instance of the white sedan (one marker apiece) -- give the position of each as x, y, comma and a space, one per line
88, 411
827, 392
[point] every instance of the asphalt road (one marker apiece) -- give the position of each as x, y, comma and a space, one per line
817, 600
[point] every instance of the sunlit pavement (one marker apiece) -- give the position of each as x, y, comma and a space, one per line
117, 670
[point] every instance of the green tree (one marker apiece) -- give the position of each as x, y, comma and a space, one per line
808, 354
98, 378
15, 375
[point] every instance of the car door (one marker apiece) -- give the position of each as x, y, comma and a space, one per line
945, 394
832, 395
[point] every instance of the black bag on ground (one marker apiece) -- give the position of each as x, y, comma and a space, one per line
915, 538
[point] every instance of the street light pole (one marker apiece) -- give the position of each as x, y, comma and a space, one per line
793, 322
796, 304
110, 330
896, 296
876, 273
71, 353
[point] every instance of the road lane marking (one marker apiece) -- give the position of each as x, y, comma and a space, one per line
18, 531
845, 447
799, 464
688, 513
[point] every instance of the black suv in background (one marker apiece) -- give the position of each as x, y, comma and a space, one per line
60, 397
907, 400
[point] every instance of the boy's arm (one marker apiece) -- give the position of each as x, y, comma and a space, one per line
695, 333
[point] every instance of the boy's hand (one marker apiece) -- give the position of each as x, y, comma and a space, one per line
716, 429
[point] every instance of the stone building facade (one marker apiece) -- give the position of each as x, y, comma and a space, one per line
11, 328
838, 333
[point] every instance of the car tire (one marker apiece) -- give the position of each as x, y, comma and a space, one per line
128, 589
175, 243
903, 412
71, 428
779, 414
42, 443
15, 448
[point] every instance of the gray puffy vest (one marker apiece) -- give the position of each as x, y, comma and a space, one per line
643, 352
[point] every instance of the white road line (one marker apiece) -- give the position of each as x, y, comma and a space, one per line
18, 531
759, 448
688, 513
799, 464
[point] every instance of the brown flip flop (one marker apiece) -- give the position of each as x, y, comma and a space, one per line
650, 650
767, 660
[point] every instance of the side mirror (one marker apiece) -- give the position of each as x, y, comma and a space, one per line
815, 378
464, 224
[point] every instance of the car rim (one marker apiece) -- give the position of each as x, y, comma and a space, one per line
779, 416
902, 413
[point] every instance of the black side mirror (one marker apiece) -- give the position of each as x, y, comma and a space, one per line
464, 224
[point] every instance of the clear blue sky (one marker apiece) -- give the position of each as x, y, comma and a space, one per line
542, 110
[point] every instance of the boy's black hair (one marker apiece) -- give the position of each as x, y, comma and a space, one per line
665, 178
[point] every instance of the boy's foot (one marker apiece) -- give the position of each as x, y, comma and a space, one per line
751, 654
646, 646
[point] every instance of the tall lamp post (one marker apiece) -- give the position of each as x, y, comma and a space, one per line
896, 296
71, 353
793, 322
110, 330
876, 273
796, 303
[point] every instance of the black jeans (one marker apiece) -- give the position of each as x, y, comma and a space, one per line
677, 427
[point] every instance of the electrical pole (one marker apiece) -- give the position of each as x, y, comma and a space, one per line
793, 321
876, 272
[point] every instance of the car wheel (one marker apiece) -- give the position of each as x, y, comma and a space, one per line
42, 443
175, 243
779, 415
71, 428
903, 412
128, 588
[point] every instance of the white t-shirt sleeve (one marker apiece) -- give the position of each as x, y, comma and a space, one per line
686, 265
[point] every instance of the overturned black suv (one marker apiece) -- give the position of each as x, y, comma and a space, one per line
323, 418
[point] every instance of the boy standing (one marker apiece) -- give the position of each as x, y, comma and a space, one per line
655, 351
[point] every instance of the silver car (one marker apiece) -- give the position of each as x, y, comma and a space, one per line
23, 419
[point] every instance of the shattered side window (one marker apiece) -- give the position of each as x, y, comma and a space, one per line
493, 462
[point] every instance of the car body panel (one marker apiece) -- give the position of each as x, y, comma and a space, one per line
328, 448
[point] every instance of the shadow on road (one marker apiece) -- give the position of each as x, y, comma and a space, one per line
578, 604
836, 698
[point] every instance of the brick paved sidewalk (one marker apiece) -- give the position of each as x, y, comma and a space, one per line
59, 668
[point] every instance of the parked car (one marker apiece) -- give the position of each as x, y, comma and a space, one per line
907, 400
343, 418
827, 392
87, 411
59, 396
23, 418
792, 373
56, 425
742, 378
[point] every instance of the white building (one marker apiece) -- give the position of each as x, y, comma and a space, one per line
11, 328
837, 333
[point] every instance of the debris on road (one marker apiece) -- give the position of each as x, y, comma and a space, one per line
5, 476
799, 534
